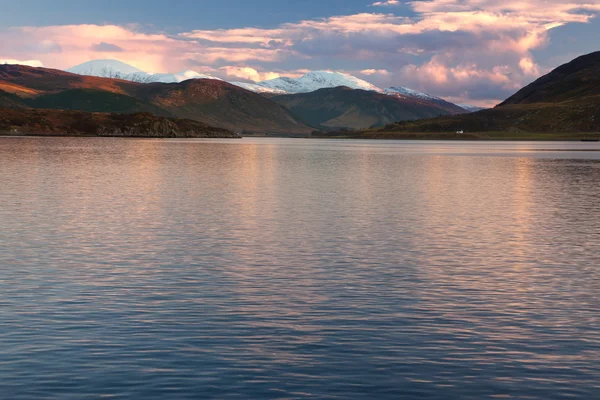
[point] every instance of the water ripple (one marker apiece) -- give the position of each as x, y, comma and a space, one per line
298, 269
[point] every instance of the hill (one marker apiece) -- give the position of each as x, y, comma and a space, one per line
9, 100
79, 123
92, 100
343, 107
27, 81
219, 103
564, 103
212, 102
578, 80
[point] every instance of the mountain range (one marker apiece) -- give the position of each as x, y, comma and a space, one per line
209, 101
213, 101
346, 108
565, 101
309, 82
120, 70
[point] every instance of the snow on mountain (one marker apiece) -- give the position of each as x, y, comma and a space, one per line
316, 80
406, 92
257, 88
121, 70
283, 84
310, 82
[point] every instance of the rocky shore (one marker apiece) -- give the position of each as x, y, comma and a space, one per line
33, 122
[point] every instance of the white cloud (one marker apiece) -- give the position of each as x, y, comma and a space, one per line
31, 63
386, 3
375, 72
249, 73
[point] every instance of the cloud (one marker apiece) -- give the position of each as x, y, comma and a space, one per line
248, 73
467, 48
529, 67
31, 63
386, 3
104, 47
375, 72
43, 47
486, 86
149, 51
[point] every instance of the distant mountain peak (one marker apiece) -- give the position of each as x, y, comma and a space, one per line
120, 70
404, 91
314, 80
97, 67
471, 108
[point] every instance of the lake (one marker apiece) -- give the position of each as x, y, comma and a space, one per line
296, 268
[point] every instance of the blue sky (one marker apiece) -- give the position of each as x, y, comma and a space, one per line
178, 15
475, 51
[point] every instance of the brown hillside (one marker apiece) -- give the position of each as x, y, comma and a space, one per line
343, 107
44, 80
578, 80
78, 123
212, 102
220, 103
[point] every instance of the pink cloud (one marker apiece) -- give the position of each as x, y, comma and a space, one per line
248, 73
375, 72
31, 63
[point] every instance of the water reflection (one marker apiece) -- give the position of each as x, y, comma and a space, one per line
293, 268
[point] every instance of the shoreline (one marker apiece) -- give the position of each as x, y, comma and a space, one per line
382, 137
63, 135
473, 137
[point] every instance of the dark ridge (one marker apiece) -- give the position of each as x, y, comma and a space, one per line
80, 123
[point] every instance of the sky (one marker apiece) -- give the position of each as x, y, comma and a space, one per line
467, 51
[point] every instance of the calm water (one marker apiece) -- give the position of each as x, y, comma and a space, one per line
285, 269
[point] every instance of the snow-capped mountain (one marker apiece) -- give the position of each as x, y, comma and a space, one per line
326, 79
406, 92
121, 70
316, 80
257, 88
310, 82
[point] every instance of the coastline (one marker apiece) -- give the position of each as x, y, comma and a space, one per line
475, 136
63, 135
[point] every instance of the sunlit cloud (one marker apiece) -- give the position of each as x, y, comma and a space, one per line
248, 73
30, 63
375, 72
